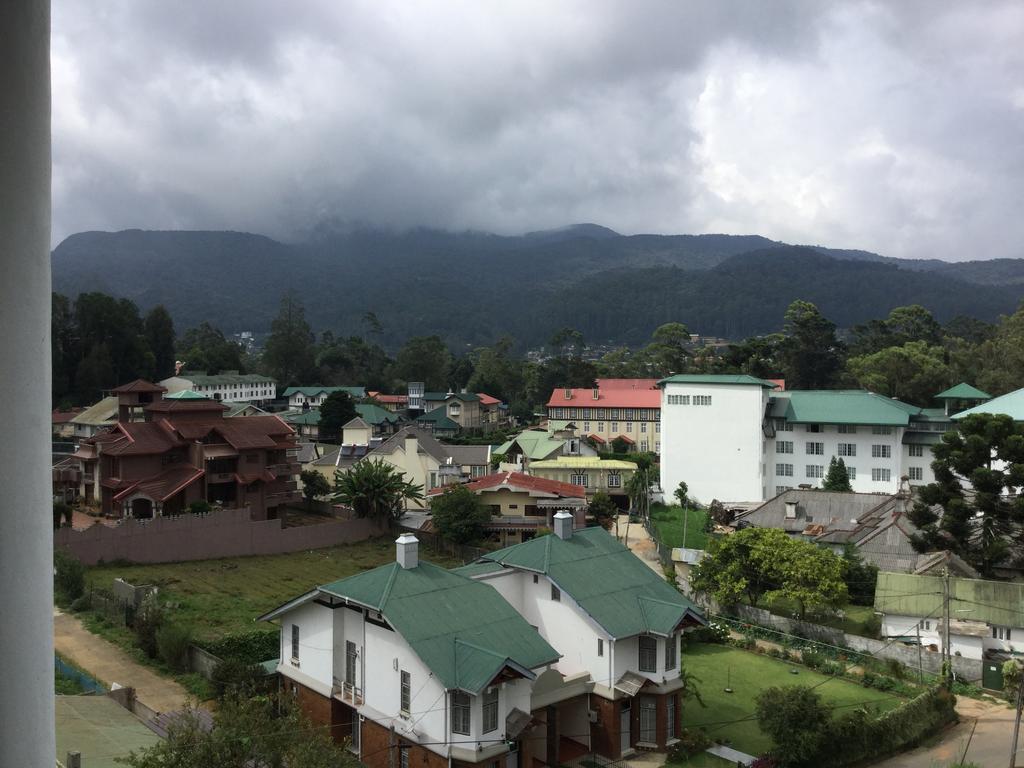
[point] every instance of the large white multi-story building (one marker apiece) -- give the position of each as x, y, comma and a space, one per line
226, 387
738, 438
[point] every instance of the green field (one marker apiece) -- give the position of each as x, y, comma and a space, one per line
668, 522
728, 717
219, 597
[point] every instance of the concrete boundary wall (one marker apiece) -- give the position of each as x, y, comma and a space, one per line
227, 533
968, 670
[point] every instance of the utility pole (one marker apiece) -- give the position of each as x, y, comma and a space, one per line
947, 664
1016, 721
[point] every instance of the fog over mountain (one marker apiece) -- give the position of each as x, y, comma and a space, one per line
889, 127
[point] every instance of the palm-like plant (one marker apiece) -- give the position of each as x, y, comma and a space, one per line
639, 491
375, 489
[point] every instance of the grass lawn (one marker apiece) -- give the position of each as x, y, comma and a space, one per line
747, 673
219, 597
668, 522
703, 760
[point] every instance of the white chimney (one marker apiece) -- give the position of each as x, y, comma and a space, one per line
563, 525
407, 550
791, 510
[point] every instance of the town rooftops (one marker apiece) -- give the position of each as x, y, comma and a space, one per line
723, 379
535, 444
462, 630
627, 383
908, 594
487, 400
1011, 404
963, 391
355, 392
439, 420
517, 481
187, 394
98, 414
139, 385
606, 398
610, 584
203, 379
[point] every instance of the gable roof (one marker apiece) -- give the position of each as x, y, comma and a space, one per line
610, 583
995, 602
139, 385
963, 391
732, 379
463, 630
137, 438
427, 443
841, 406
439, 419
583, 462
517, 481
375, 415
606, 398
98, 414
477, 455
356, 423
1011, 404
186, 394
487, 399
534, 444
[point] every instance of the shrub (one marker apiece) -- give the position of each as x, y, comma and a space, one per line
868, 678
172, 642
247, 647
812, 659
833, 668
691, 742
786, 655
895, 668
714, 632
201, 507
68, 577
148, 620
235, 677
61, 512
82, 603
795, 718
883, 683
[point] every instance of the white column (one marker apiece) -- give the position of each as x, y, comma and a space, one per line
26, 535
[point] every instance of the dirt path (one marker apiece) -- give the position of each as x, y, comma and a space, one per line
110, 664
639, 542
988, 745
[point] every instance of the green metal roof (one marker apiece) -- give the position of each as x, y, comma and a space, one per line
1012, 404
374, 414
994, 602
463, 630
720, 378
610, 583
357, 392
963, 391
841, 406
186, 394
308, 418
535, 444
582, 462
438, 419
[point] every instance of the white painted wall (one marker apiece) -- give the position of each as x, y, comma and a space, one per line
717, 449
316, 642
627, 659
227, 393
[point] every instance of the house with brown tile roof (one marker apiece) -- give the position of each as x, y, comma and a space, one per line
166, 452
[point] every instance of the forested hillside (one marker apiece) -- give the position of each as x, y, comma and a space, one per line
472, 288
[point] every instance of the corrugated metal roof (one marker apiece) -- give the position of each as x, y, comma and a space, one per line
963, 391
721, 378
1011, 404
582, 462
997, 602
359, 392
608, 581
463, 630
849, 406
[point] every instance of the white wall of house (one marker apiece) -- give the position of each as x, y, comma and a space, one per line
968, 646
316, 642
245, 392
872, 474
627, 658
717, 449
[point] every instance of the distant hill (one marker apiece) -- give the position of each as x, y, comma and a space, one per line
473, 287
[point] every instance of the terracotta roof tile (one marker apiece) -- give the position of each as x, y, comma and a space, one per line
522, 482
606, 398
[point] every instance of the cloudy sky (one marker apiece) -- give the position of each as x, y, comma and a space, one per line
895, 127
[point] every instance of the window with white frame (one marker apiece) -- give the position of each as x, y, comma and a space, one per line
814, 428
916, 451
915, 473
556, 594
846, 449
781, 425
881, 451
580, 478
600, 426
702, 399
648, 657
295, 643
600, 646
1001, 633
815, 449
877, 430
783, 446
924, 624
815, 470
657, 427
846, 429
671, 651
586, 426
670, 717
614, 427
491, 709
648, 720
678, 399
643, 446
643, 427
615, 479
629, 426
784, 470
782, 489
851, 472
460, 712
657, 446
881, 474
406, 683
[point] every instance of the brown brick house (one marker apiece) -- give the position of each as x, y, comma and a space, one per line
166, 452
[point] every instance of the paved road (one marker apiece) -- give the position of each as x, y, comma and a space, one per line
110, 664
989, 745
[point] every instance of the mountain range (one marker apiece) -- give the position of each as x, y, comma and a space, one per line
472, 288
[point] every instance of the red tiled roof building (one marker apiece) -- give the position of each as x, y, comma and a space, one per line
629, 409
166, 452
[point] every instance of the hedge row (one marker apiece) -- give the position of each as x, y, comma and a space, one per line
856, 737
247, 647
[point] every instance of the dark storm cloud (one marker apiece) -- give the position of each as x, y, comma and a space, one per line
859, 125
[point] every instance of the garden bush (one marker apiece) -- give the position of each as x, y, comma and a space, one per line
68, 577
248, 647
692, 741
172, 642
147, 621
237, 678
813, 659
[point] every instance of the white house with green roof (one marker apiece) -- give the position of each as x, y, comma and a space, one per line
227, 386
313, 397
737, 438
616, 624
415, 664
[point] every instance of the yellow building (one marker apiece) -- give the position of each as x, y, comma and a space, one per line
591, 473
